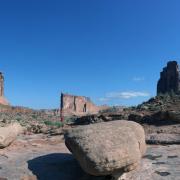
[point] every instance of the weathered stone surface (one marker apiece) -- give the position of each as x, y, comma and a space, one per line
163, 138
138, 131
160, 162
9, 133
169, 79
52, 160
105, 148
78, 105
28, 177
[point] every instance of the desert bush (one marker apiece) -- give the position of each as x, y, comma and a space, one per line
111, 109
54, 123
34, 116
69, 119
18, 119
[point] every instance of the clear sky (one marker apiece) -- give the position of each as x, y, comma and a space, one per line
109, 50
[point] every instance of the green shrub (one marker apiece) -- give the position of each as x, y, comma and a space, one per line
54, 123
18, 119
69, 119
34, 116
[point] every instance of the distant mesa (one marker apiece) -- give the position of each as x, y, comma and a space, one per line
2, 98
78, 105
169, 79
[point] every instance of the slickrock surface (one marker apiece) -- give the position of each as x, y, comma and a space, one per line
159, 163
48, 158
163, 138
39, 155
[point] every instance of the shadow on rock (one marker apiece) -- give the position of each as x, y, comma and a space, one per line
58, 166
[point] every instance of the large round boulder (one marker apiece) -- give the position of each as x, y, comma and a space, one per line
108, 147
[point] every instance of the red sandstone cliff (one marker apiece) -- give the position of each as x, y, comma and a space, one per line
78, 105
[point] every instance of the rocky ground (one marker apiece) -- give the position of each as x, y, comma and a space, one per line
160, 114
40, 153
160, 117
44, 158
159, 163
35, 121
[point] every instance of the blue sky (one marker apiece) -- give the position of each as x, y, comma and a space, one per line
111, 51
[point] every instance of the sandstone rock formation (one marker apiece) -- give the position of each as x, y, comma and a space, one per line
169, 79
2, 98
78, 105
8, 134
1, 84
107, 148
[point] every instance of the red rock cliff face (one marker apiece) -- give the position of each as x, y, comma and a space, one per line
78, 105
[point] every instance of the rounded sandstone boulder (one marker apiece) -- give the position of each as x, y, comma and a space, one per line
9, 133
107, 148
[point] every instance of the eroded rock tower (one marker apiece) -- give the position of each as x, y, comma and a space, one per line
1, 84
2, 98
169, 79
